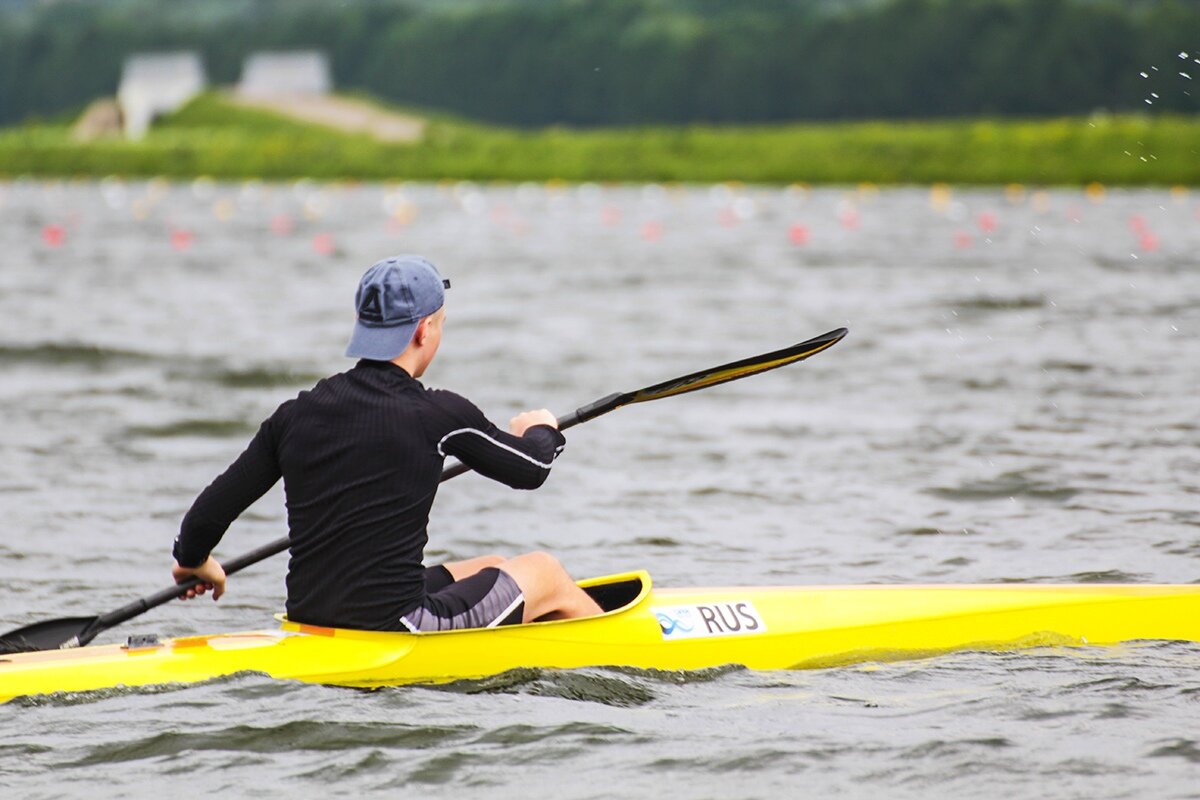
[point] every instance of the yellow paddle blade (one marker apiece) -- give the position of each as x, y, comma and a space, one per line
740, 369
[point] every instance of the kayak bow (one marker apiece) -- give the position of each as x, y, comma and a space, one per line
647, 627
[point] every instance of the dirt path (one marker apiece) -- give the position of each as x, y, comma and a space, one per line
345, 114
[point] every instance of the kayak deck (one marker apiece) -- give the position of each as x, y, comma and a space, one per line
651, 628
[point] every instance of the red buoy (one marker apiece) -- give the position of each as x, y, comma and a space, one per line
54, 235
322, 244
181, 239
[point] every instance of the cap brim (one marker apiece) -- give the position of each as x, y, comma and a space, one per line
380, 343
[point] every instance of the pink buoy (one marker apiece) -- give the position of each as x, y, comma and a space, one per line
798, 234
1137, 224
282, 224
322, 244
963, 240
181, 239
54, 235
652, 231
1148, 241
988, 223
849, 218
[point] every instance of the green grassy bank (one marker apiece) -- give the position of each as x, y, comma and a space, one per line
211, 137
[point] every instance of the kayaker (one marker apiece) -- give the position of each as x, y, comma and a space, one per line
361, 455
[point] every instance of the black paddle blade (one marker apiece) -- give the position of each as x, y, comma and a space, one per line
740, 369
49, 635
57, 634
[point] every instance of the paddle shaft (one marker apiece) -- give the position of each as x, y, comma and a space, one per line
180, 589
687, 383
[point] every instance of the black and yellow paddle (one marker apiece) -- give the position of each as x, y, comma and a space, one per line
690, 383
78, 631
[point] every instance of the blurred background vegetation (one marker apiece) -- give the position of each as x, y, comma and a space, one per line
889, 91
622, 62
213, 137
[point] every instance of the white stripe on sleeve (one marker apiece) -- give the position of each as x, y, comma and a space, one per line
499, 444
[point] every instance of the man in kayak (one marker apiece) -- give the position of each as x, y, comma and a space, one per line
361, 456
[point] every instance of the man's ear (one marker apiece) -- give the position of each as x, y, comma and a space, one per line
421, 332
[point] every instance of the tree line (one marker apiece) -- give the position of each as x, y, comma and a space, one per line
622, 62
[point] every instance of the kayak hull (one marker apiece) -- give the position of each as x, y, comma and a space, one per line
762, 628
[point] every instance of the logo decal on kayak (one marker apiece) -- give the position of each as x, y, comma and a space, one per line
737, 618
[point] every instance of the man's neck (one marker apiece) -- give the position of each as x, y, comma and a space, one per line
410, 362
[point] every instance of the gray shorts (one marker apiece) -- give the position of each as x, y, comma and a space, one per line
486, 599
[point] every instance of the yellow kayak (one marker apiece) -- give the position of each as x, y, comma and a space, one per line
647, 627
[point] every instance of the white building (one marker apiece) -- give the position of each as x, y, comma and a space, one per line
272, 74
153, 84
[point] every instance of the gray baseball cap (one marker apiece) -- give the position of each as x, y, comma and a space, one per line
393, 296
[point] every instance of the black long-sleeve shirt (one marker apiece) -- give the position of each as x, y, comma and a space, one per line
361, 457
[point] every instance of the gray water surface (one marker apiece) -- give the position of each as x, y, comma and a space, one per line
1016, 401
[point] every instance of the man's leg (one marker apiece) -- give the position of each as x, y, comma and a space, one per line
549, 591
468, 567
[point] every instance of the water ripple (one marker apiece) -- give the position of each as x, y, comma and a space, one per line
217, 428
1004, 486
59, 354
1187, 749
289, 737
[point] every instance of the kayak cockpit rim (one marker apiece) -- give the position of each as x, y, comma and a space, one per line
616, 594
